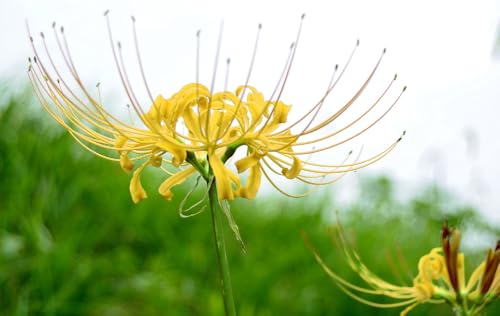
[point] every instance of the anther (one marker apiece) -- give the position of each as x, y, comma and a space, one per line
42, 35
395, 76
198, 33
384, 51
260, 26
106, 13
357, 42
29, 60
34, 59
133, 18
62, 29
303, 16
119, 44
97, 85
404, 88
401, 137
54, 24
31, 39
336, 67
292, 45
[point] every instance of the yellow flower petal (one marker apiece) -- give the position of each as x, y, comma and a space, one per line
178, 152
155, 160
120, 141
224, 178
281, 112
125, 162
136, 190
294, 171
249, 191
251, 160
154, 112
176, 178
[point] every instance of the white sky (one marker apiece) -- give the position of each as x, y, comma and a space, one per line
440, 49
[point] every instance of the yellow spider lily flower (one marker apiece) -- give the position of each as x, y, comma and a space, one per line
197, 130
440, 279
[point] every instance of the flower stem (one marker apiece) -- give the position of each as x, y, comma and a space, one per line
461, 311
220, 247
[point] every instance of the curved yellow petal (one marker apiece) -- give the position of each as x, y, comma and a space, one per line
136, 190
120, 141
248, 162
125, 162
281, 112
224, 178
178, 153
176, 178
249, 191
294, 171
155, 160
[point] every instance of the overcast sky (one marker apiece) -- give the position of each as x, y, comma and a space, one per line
442, 50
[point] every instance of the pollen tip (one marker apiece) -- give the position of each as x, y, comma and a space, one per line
42, 35
395, 76
292, 45
106, 12
260, 26
445, 231
350, 152
119, 44
58, 81
302, 16
62, 29
228, 61
133, 18
31, 39
98, 84
54, 24
357, 42
384, 51
198, 33
404, 132
336, 67
404, 88
35, 59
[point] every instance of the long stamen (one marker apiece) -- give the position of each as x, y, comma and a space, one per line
249, 73
212, 85
354, 121
330, 88
287, 73
141, 67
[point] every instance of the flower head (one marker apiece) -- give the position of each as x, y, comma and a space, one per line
440, 279
197, 129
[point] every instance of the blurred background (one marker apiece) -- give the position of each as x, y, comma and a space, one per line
73, 243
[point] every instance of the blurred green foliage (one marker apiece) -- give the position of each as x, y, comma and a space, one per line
73, 243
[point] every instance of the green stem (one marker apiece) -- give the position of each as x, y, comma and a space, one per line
460, 310
220, 247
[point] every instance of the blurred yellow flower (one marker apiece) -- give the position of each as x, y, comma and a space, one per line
440, 279
197, 130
